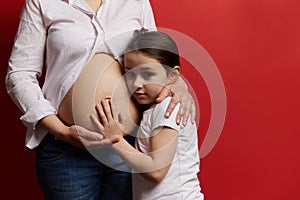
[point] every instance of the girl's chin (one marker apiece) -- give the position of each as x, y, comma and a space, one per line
144, 101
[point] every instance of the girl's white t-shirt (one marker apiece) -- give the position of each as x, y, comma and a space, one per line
181, 181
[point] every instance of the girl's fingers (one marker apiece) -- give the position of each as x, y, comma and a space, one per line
112, 108
97, 123
107, 110
102, 114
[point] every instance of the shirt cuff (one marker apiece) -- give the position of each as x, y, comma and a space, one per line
36, 112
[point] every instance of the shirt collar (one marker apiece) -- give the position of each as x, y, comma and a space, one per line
81, 5
72, 1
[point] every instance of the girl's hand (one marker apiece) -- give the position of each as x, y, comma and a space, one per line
180, 95
107, 124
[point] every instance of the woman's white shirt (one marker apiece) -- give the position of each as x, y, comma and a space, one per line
62, 36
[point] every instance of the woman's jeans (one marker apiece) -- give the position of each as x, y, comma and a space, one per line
68, 173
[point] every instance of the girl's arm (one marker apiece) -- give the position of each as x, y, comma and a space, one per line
153, 166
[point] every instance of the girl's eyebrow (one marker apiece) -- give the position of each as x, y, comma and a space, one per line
140, 67
126, 68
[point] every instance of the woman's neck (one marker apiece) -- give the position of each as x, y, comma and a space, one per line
94, 4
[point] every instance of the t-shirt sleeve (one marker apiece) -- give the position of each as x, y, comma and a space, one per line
159, 119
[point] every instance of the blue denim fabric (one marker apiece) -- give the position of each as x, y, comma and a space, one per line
67, 173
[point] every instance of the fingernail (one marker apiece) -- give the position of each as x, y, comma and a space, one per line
168, 114
178, 121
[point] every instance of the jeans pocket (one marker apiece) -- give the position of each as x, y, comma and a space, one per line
50, 149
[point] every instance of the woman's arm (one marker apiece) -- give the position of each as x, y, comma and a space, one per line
153, 166
26, 65
180, 94
75, 135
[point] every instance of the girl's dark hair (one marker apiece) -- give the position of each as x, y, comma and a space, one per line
155, 44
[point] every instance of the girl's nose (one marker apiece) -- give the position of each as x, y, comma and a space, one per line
138, 82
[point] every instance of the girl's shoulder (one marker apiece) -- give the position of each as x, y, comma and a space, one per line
156, 115
165, 103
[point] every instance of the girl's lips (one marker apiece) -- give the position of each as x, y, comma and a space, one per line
139, 94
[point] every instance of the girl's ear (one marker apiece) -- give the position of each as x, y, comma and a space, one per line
173, 75
177, 68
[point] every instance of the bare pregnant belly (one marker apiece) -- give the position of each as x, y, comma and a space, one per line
101, 78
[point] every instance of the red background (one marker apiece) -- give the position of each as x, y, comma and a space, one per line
256, 46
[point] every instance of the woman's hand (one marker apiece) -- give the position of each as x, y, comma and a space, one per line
107, 125
93, 140
179, 94
75, 135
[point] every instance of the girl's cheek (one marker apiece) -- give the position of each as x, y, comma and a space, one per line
154, 89
130, 87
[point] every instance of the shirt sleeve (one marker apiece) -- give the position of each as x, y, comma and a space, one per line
159, 119
148, 17
25, 66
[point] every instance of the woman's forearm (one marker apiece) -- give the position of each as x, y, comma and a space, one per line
54, 125
58, 129
181, 83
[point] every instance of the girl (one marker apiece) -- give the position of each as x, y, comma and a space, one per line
165, 160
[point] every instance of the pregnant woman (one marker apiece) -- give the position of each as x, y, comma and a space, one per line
77, 43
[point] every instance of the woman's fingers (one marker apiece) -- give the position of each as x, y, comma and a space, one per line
93, 145
91, 139
185, 108
163, 94
192, 111
174, 101
89, 135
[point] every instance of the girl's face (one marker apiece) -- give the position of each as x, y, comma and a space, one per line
145, 77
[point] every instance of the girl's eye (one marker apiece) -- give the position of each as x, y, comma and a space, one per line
130, 75
147, 75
